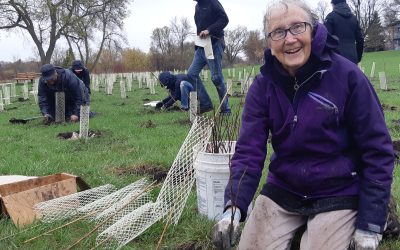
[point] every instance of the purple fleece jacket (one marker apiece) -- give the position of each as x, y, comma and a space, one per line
331, 140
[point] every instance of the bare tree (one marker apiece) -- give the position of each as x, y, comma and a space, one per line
162, 48
235, 42
322, 10
106, 25
364, 11
161, 40
110, 58
254, 47
47, 21
180, 31
169, 47
391, 12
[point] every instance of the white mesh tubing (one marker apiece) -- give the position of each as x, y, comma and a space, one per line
122, 88
66, 207
106, 202
84, 121
180, 178
60, 107
173, 194
193, 106
25, 91
121, 208
128, 212
129, 227
1, 102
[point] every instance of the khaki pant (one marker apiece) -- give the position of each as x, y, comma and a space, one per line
272, 227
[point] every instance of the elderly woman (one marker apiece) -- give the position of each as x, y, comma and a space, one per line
333, 157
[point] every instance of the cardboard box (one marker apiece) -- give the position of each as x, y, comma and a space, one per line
17, 199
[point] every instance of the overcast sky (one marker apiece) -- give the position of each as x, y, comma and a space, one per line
146, 15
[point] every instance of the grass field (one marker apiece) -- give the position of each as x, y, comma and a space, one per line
133, 137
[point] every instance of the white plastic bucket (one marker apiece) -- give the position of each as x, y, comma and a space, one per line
212, 176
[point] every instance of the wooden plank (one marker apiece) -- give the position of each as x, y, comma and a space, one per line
19, 206
20, 186
25, 76
7, 179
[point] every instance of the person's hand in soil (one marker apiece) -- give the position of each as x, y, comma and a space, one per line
74, 118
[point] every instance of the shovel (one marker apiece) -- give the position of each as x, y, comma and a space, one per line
23, 120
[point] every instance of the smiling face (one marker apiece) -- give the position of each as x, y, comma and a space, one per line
292, 51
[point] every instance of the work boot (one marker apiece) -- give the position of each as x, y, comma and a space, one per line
184, 108
205, 109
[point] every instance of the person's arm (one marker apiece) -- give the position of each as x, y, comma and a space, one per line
222, 19
250, 151
42, 98
168, 102
77, 94
86, 80
367, 126
359, 42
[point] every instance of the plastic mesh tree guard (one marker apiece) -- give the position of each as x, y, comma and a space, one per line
60, 107
67, 206
84, 121
173, 194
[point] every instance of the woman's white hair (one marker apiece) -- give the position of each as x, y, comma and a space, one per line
284, 4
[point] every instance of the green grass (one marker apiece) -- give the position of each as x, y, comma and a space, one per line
125, 143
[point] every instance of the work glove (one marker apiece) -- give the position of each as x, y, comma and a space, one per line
365, 240
159, 105
47, 119
226, 232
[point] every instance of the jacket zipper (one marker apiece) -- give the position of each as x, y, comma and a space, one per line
296, 87
326, 103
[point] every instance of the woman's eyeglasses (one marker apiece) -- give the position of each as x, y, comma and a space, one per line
295, 29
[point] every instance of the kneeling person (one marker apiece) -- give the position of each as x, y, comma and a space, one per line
57, 79
179, 87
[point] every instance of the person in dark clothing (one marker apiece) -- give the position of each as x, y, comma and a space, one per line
82, 73
332, 164
210, 19
57, 79
345, 26
179, 87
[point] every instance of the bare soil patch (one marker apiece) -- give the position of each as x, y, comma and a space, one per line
156, 172
70, 135
148, 124
183, 122
388, 107
191, 245
237, 94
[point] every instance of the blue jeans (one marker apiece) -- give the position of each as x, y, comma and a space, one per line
186, 88
215, 66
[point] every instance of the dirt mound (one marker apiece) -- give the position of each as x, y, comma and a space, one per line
191, 245
158, 173
71, 135
148, 124
389, 107
183, 122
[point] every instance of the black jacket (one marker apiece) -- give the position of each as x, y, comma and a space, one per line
84, 75
173, 86
74, 89
344, 25
210, 15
